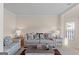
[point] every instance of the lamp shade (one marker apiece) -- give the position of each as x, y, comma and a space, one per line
18, 32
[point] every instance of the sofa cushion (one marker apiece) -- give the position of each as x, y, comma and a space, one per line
32, 41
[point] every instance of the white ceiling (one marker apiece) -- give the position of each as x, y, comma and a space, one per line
38, 8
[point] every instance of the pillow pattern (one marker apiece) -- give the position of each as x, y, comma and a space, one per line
7, 41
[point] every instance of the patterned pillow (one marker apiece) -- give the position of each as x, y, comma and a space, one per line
7, 41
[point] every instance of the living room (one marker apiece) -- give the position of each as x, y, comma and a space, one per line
40, 25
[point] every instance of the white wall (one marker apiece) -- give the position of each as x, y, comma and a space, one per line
9, 22
71, 15
37, 23
29, 23
1, 27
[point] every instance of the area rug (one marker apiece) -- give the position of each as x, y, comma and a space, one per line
56, 52
32, 50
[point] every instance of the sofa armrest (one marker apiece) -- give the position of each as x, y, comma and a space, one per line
13, 48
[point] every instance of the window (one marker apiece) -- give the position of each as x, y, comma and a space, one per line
70, 30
